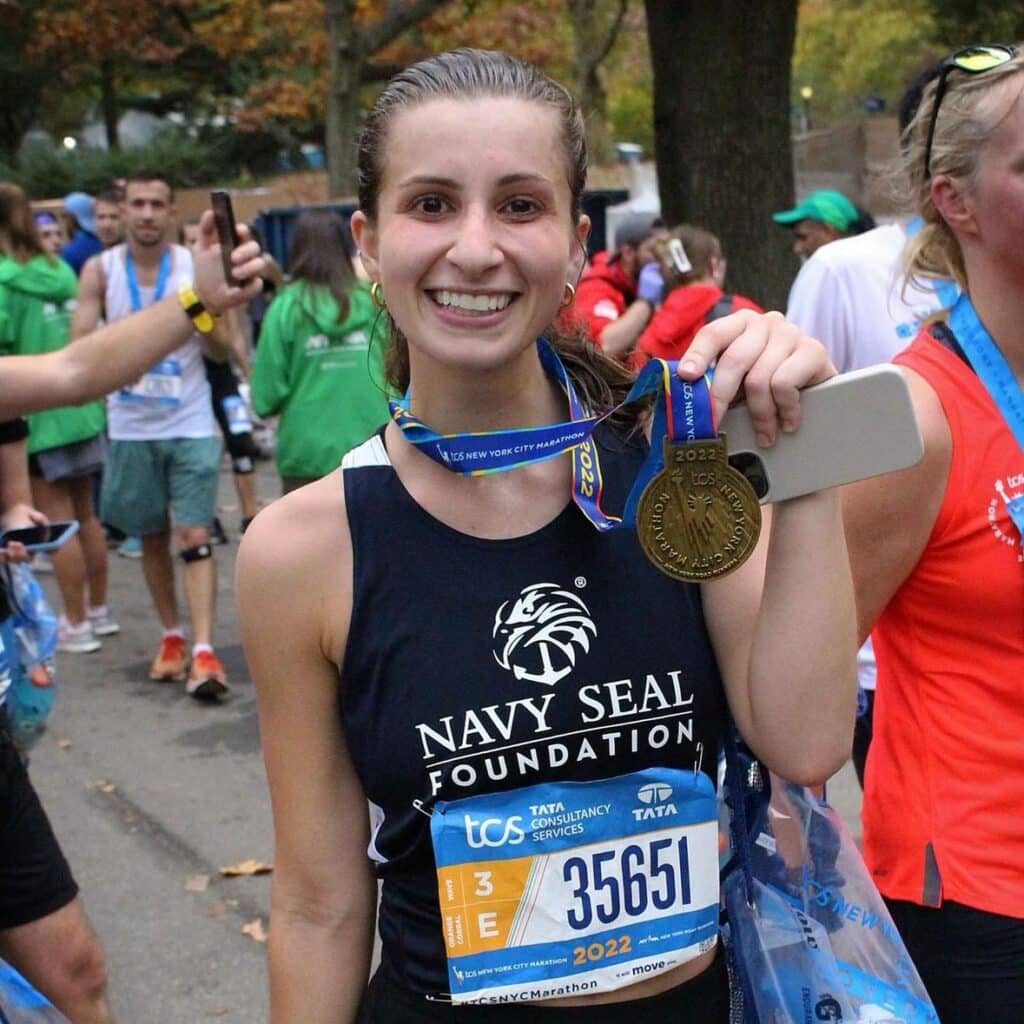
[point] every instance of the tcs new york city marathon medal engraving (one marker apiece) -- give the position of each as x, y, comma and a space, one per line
698, 518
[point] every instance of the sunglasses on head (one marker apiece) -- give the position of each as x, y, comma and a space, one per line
974, 60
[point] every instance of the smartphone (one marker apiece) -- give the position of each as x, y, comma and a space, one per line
853, 426
227, 233
41, 538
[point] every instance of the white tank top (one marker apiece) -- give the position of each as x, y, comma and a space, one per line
173, 398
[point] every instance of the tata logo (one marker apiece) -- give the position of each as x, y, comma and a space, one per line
539, 634
481, 832
657, 800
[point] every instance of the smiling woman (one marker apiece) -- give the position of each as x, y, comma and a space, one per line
462, 648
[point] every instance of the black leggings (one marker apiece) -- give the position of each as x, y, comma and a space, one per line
971, 962
701, 1000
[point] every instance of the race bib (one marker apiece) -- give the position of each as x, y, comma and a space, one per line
160, 386
578, 887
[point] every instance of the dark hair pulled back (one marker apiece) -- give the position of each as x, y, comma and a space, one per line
467, 74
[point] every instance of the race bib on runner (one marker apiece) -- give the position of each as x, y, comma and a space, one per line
160, 386
571, 888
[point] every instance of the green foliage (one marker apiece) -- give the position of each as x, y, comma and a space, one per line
631, 113
45, 170
848, 49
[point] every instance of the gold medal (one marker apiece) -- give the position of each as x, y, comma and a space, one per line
698, 518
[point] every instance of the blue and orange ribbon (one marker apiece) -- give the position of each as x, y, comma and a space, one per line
683, 412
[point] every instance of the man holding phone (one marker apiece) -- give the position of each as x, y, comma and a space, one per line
162, 470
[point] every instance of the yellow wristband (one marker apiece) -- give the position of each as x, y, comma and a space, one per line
194, 309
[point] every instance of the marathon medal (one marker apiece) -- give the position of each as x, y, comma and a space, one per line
698, 518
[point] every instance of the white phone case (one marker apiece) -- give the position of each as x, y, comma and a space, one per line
854, 426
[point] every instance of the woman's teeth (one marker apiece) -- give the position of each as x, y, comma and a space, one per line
474, 303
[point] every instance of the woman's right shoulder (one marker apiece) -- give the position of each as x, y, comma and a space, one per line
297, 555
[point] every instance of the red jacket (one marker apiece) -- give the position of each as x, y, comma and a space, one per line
680, 316
604, 293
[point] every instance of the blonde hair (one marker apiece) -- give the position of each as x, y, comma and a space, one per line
700, 246
973, 107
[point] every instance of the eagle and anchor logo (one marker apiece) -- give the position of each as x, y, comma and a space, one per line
539, 634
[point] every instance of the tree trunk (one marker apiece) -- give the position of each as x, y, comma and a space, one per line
342, 98
722, 130
594, 33
108, 102
351, 48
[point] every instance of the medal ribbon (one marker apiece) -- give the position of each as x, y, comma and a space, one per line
683, 412
994, 372
162, 274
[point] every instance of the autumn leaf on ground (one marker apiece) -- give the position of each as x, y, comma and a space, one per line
197, 883
63, 743
104, 786
255, 930
246, 867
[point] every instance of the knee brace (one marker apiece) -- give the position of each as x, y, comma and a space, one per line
242, 465
196, 553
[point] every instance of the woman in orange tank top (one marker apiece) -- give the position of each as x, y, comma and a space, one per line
939, 563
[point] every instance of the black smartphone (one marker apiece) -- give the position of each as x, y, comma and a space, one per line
41, 538
227, 233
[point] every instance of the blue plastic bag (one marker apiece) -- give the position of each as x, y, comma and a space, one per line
810, 938
30, 640
20, 1003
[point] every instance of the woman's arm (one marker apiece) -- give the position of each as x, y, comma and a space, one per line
294, 614
783, 626
109, 357
890, 518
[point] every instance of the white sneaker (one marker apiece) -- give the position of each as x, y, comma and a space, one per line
78, 639
102, 621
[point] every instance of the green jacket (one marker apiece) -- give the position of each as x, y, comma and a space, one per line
37, 299
324, 378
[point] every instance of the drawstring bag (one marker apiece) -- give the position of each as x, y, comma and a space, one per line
808, 936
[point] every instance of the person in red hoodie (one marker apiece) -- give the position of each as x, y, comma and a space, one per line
610, 306
693, 270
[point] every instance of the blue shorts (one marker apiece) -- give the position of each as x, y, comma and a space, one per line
149, 484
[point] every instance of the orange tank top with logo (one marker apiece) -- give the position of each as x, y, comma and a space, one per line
945, 777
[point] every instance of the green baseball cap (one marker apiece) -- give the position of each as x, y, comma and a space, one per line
826, 205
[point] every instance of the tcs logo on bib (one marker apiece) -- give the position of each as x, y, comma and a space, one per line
493, 832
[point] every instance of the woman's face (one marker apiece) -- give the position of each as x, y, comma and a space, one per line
473, 242
997, 198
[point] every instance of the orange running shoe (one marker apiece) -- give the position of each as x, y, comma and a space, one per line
207, 679
169, 663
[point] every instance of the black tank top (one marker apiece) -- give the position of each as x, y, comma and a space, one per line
476, 665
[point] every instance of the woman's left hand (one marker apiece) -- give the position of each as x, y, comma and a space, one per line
762, 359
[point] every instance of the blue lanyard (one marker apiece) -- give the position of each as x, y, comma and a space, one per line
990, 365
683, 412
163, 272
995, 374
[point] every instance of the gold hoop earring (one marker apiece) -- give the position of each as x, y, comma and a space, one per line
377, 295
568, 295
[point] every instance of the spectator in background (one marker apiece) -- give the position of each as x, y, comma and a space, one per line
84, 242
608, 304
51, 235
65, 445
316, 366
692, 268
229, 408
107, 217
820, 218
